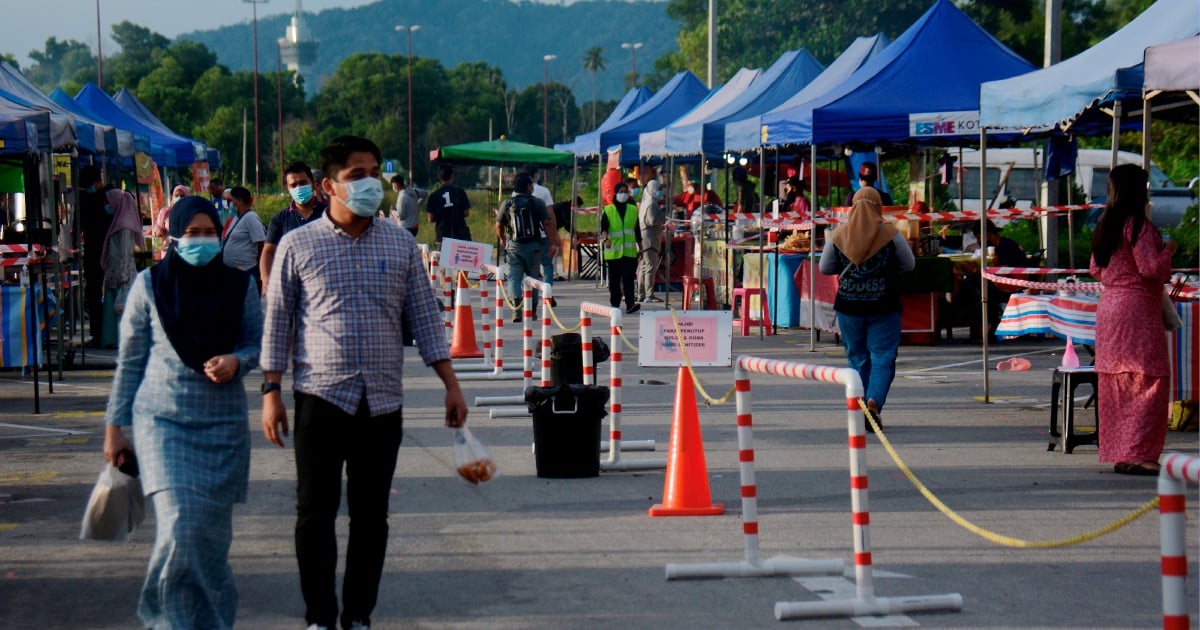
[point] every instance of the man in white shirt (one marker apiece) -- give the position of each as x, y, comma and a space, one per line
652, 216
245, 236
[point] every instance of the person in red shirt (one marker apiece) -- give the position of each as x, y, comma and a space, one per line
694, 196
608, 184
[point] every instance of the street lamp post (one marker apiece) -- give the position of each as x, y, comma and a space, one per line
410, 29
546, 59
257, 149
279, 110
633, 58
99, 54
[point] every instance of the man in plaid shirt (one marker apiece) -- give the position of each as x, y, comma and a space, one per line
339, 289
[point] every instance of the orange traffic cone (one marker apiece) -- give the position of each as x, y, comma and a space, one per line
463, 345
685, 490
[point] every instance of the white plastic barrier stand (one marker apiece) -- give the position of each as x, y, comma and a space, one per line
528, 285
1177, 469
492, 368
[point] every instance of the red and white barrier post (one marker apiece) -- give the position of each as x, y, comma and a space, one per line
1177, 469
493, 368
528, 286
614, 443
866, 603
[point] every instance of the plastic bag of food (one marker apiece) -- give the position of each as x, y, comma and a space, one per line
471, 458
117, 505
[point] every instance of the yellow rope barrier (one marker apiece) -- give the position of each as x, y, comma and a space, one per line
621, 331
708, 399
558, 322
1001, 539
504, 294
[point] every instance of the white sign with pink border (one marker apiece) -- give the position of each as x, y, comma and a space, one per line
707, 336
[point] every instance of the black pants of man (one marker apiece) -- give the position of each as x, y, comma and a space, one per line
622, 274
327, 438
93, 296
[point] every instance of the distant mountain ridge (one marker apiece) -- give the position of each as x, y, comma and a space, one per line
513, 36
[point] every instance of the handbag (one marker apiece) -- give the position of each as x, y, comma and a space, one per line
1171, 319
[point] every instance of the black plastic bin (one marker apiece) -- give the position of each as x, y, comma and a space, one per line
566, 357
566, 429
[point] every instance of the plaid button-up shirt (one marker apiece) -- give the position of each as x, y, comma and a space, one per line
336, 302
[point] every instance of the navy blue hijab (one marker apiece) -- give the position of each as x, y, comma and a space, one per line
200, 307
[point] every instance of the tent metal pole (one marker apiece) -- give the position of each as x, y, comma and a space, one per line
983, 286
571, 228
762, 259
814, 209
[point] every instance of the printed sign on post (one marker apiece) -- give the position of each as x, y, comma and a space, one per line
464, 255
707, 337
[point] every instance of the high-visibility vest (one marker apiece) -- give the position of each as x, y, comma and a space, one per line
622, 233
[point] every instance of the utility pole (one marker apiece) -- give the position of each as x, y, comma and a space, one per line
712, 43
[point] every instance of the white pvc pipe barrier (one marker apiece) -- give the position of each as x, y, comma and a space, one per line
528, 285
865, 603
1177, 469
492, 368
614, 446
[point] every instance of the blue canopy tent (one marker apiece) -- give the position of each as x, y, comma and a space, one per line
746, 134
55, 132
93, 137
1073, 95
127, 101
786, 77
127, 141
657, 142
632, 100
679, 95
19, 128
926, 87
182, 150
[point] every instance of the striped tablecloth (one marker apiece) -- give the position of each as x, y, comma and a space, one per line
1059, 315
1076, 316
17, 333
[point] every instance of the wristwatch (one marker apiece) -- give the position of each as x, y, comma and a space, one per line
268, 387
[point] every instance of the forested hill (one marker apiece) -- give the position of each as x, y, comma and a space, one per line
511, 35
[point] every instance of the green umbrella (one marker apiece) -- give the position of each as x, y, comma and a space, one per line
501, 152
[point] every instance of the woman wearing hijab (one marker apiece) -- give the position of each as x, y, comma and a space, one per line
1133, 374
190, 333
124, 236
163, 218
868, 254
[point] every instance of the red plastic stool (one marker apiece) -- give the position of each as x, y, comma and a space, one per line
745, 322
691, 286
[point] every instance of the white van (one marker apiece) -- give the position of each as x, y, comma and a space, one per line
1021, 171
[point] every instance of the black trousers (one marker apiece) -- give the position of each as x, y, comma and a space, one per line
622, 273
93, 295
326, 439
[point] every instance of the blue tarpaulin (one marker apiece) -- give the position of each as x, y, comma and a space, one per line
658, 142
1067, 94
95, 100
20, 128
746, 134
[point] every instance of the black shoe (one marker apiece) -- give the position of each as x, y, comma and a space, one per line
873, 409
633, 308
553, 303
517, 319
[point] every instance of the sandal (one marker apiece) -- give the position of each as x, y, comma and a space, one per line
1143, 469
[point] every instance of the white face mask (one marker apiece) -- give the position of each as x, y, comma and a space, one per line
622, 197
363, 196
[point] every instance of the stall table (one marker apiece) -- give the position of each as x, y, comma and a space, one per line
1075, 315
919, 291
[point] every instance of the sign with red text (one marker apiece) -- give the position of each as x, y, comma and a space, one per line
464, 255
943, 124
705, 336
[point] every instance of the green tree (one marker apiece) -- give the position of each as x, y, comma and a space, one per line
593, 62
141, 52
66, 64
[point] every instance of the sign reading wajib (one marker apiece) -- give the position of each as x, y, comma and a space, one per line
464, 255
939, 124
706, 335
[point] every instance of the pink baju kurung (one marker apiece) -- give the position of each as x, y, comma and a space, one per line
1131, 349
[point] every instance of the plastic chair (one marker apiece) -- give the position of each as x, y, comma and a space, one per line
744, 321
692, 285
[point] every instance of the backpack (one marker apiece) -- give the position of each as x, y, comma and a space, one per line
522, 220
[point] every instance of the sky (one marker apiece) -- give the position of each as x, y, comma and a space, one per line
38, 20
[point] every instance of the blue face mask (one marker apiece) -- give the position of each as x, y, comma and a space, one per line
108, 210
635, 192
198, 251
90, 189
301, 194
363, 196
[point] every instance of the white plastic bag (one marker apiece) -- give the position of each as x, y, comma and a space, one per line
471, 458
117, 506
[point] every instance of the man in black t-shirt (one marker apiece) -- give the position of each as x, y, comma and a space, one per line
95, 221
448, 207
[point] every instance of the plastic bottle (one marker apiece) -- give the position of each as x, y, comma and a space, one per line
697, 220
25, 276
1070, 359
